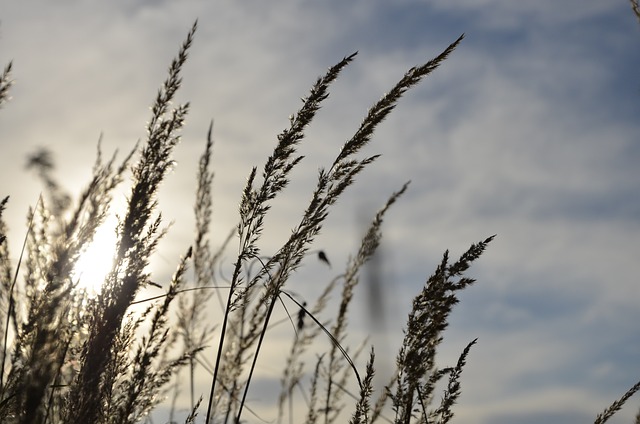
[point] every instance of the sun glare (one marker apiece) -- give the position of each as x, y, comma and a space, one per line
95, 263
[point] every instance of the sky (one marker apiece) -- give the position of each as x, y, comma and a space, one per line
529, 131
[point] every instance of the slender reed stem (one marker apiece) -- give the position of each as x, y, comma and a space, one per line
11, 300
272, 303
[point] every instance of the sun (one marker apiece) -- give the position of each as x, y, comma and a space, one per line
95, 262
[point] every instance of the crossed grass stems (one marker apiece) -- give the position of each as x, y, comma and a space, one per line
70, 358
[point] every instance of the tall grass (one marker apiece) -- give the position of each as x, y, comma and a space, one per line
71, 358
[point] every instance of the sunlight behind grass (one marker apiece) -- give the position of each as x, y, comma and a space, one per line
96, 261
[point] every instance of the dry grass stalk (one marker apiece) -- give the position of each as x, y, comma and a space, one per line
617, 405
425, 325
5, 84
635, 6
138, 235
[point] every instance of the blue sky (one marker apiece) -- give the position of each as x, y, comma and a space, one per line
529, 131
